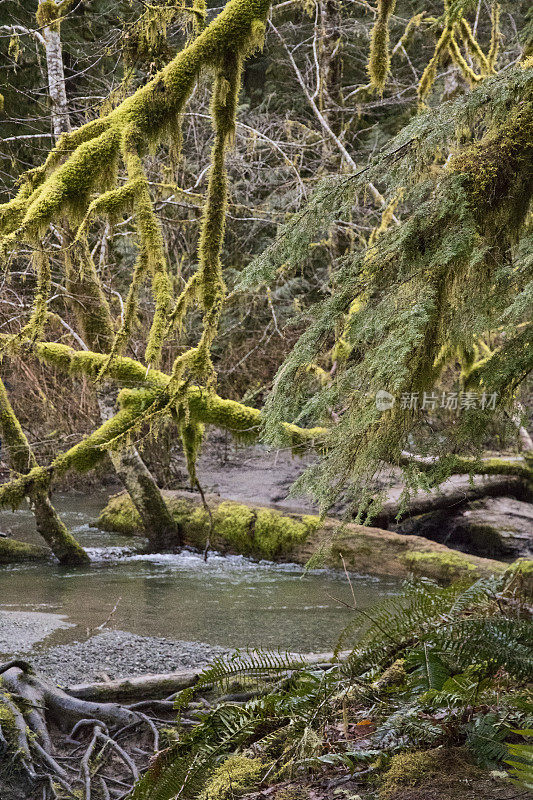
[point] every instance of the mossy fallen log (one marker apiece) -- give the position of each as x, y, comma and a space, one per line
267, 533
13, 551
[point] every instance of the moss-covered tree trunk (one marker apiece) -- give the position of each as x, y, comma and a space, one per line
162, 531
94, 320
61, 542
93, 316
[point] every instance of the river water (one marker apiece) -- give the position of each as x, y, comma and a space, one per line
229, 601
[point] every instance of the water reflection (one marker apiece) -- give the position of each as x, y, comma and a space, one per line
229, 601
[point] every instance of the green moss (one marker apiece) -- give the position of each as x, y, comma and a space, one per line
449, 768
121, 516
430, 73
48, 14
12, 551
8, 725
407, 769
20, 453
261, 533
394, 675
379, 57
441, 566
499, 164
192, 434
236, 775
275, 535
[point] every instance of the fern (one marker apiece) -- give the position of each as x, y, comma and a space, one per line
395, 622
428, 670
485, 738
456, 650
521, 761
409, 725
497, 641
252, 665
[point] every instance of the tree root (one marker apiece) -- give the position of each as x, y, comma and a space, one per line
40, 722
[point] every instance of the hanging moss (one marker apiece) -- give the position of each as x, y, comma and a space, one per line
39, 314
494, 37
192, 434
151, 114
430, 72
459, 60
379, 56
473, 47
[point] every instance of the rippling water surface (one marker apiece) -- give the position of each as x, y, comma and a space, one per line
230, 601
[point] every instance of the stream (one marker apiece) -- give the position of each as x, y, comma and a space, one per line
228, 601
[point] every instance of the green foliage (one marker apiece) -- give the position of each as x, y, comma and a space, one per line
521, 761
422, 286
439, 698
250, 665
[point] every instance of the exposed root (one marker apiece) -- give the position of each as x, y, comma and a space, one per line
60, 745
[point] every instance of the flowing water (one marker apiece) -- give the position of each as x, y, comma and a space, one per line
229, 601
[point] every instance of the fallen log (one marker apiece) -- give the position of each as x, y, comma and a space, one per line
267, 533
454, 498
143, 686
153, 687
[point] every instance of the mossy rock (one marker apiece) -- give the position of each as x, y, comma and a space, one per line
13, 551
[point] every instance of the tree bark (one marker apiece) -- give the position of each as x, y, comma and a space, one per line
56, 78
63, 545
162, 531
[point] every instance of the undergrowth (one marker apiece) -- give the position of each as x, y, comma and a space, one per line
436, 666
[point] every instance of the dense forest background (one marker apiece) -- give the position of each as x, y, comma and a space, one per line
290, 224
306, 110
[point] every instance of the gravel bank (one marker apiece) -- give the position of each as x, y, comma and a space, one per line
118, 654
21, 630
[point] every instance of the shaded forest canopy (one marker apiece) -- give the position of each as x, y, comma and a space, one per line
307, 224
447, 264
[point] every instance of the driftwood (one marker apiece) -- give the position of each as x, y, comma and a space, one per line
152, 687
78, 737
455, 498
144, 686
33, 707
